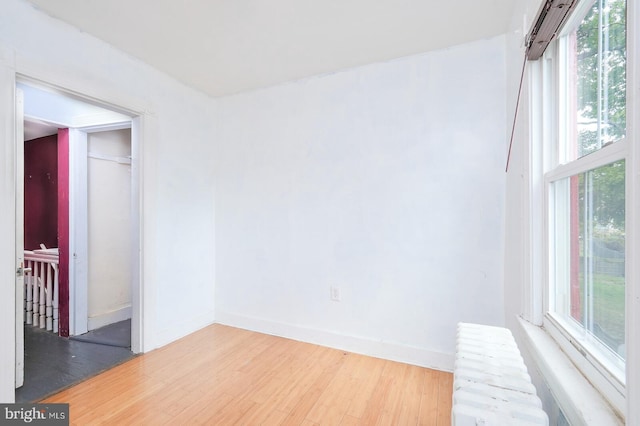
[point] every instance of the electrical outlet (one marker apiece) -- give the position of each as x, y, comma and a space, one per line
335, 294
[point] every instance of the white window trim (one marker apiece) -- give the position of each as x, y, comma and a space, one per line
581, 403
602, 157
570, 392
581, 354
633, 205
579, 400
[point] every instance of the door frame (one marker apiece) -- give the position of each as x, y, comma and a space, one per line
142, 125
8, 255
78, 223
144, 132
77, 226
19, 238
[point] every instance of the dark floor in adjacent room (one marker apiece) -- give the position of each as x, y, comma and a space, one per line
52, 363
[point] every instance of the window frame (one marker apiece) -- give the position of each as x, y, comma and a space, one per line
547, 84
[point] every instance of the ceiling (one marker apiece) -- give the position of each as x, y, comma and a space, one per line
223, 47
46, 110
34, 129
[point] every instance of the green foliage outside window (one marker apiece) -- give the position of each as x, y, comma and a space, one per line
601, 75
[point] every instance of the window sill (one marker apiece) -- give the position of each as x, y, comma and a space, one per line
580, 402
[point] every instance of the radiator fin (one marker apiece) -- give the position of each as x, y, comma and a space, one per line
491, 385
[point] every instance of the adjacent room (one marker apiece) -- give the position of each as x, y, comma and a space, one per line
77, 315
317, 212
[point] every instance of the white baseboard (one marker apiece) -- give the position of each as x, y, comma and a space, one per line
110, 317
386, 350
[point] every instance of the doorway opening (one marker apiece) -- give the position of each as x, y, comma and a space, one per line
80, 208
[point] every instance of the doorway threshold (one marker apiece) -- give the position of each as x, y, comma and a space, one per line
53, 363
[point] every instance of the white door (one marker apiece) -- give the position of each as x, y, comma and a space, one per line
19, 238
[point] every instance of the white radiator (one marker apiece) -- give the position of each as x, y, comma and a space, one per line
491, 385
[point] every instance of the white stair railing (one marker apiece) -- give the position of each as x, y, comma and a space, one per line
41, 282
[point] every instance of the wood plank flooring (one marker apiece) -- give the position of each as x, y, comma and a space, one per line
226, 376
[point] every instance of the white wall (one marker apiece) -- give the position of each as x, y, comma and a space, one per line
109, 233
177, 233
386, 181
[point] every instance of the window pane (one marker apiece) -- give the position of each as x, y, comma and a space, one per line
589, 256
596, 79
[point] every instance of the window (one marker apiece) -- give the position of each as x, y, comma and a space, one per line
593, 67
586, 188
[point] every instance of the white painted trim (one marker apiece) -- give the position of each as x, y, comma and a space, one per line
602, 157
110, 122
79, 322
19, 238
33, 72
632, 273
143, 295
111, 118
7, 229
600, 370
110, 317
120, 160
106, 126
78, 240
579, 401
534, 241
393, 351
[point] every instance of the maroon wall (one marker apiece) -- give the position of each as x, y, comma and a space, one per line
41, 192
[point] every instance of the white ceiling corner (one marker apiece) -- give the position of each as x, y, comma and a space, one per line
227, 46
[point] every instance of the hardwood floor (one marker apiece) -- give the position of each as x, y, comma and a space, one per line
223, 375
